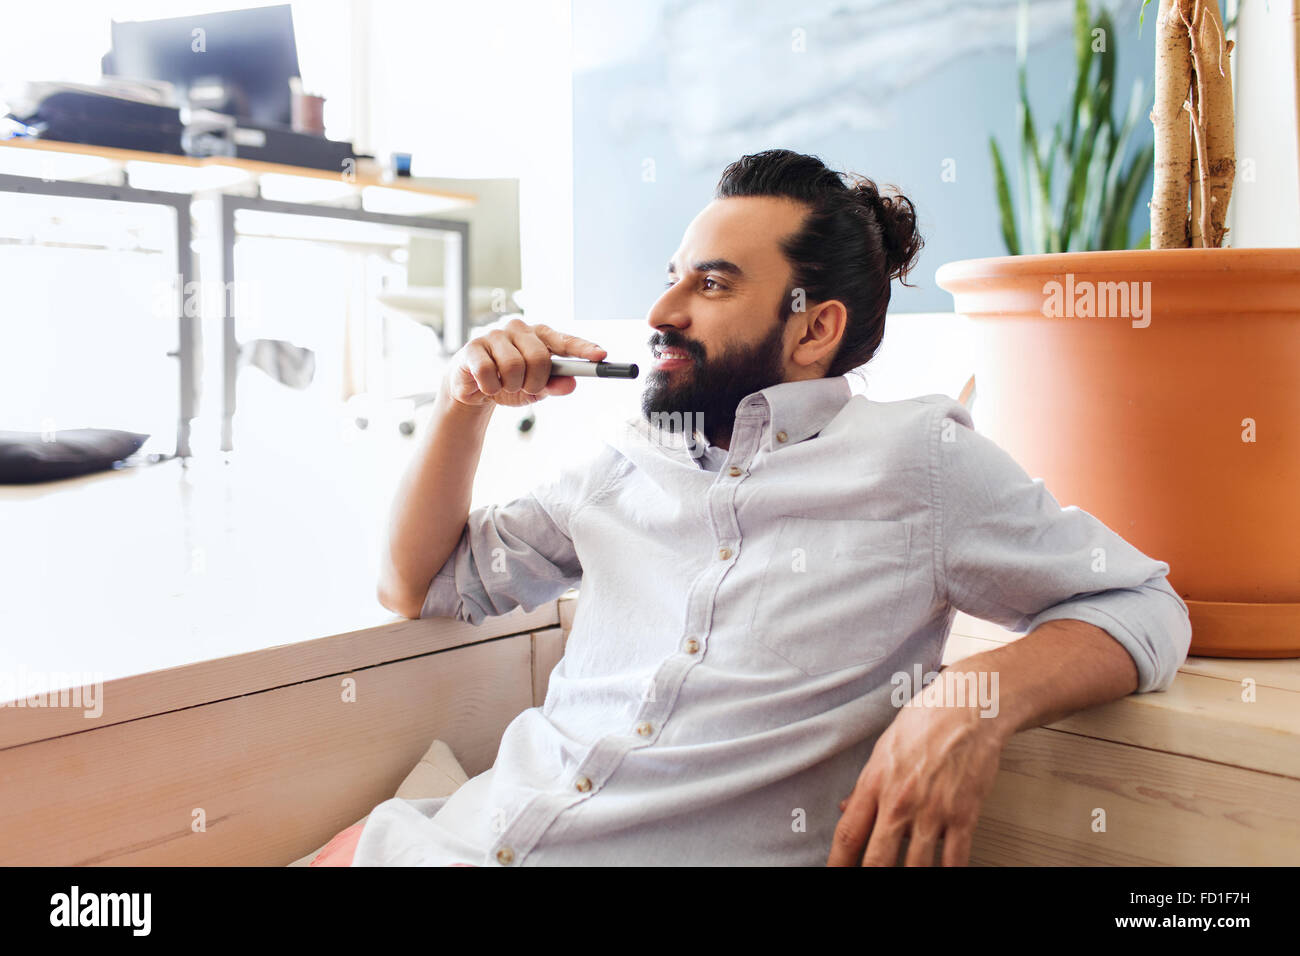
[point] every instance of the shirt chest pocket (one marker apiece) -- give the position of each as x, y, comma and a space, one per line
830, 592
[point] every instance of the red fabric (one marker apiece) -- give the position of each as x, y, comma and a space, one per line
340, 850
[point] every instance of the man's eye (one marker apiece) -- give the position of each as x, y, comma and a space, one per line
707, 280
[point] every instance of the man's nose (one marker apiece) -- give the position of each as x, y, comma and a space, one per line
669, 310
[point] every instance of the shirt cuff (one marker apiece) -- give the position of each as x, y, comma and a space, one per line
442, 599
1150, 622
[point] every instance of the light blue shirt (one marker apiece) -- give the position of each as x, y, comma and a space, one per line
744, 621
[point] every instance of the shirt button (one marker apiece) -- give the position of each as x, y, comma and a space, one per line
692, 646
645, 728
733, 471
505, 856
582, 784
724, 553
781, 436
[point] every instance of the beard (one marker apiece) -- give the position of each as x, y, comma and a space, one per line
707, 392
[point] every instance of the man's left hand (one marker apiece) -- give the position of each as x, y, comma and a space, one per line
926, 781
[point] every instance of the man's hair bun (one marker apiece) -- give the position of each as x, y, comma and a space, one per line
896, 217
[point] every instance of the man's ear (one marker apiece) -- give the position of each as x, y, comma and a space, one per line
820, 331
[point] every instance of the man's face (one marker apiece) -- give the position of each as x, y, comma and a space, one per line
725, 289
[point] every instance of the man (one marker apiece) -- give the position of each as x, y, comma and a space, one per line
765, 560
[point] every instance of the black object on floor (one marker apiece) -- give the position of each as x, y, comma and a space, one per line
26, 457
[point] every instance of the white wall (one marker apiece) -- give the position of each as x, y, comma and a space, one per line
1265, 211
484, 89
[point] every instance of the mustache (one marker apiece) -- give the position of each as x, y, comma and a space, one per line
674, 342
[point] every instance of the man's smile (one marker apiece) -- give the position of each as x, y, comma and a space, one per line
670, 360
670, 356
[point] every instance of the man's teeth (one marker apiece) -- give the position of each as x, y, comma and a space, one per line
671, 354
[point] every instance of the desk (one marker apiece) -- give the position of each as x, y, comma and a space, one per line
50, 161
42, 153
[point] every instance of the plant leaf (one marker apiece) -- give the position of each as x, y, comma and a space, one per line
1120, 150
1004, 200
1106, 65
1132, 182
1088, 234
1072, 207
1141, 15
1082, 65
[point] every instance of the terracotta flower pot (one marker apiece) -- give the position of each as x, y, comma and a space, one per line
1169, 409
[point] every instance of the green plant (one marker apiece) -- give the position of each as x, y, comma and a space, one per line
1095, 192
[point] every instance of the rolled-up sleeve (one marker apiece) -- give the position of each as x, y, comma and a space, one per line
1007, 552
518, 554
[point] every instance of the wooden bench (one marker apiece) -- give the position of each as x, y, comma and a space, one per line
261, 757
258, 758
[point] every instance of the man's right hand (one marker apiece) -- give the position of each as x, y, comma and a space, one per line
511, 365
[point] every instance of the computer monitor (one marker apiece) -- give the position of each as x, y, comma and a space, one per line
251, 52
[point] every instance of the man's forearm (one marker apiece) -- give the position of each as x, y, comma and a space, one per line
1058, 668
432, 503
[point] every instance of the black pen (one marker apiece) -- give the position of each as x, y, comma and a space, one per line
579, 367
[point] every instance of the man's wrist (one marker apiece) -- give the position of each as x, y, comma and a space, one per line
461, 410
970, 691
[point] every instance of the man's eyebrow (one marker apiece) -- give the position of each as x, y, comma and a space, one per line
713, 265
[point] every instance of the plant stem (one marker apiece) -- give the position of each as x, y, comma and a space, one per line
1173, 149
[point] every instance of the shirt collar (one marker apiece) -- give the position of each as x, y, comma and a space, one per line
798, 410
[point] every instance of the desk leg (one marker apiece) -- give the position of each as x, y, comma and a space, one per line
180, 204
455, 277
229, 346
188, 332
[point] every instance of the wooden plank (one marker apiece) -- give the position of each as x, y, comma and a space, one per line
1199, 716
102, 152
253, 167
1161, 809
1206, 718
548, 648
1282, 673
173, 688
275, 773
